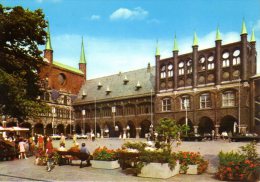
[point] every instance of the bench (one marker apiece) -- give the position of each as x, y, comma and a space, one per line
66, 157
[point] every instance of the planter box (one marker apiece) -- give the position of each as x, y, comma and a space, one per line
193, 169
158, 170
104, 164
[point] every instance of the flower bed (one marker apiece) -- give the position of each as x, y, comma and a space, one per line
105, 158
191, 162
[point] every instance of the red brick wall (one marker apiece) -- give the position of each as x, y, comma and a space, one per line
72, 83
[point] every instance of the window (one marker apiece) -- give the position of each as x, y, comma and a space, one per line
210, 63
163, 72
236, 58
205, 101
166, 104
170, 70
228, 99
185, 102
181, 68
130, 110
225, 62
202, 64
189, 66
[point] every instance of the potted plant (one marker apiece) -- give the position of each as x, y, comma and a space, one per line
105, 158
192, 163
239, 166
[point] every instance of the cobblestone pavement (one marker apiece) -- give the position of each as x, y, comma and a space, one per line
25, 170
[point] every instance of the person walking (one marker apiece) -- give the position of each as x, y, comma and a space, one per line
74, 138
22, 149
40, 142
49, 152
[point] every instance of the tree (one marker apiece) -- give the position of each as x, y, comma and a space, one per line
21, 31
169, 129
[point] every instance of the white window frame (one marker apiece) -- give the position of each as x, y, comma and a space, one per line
228, 99
166, 104
205, 101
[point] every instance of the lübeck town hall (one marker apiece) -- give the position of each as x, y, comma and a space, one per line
211, 89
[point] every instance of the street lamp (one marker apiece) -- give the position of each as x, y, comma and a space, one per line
151, 126
83, 121
53, 113
114, 116
95, 117
239, 80
3, 121
127, 128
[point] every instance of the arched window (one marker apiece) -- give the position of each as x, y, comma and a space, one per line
236, 57
185, 102
166, 104
202, 64
170, 70
205, 101
228, 99
225, 61
163, 72
211, 62
189, 66
181, 68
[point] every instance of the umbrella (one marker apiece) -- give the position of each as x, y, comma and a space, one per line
15, 128
5, 129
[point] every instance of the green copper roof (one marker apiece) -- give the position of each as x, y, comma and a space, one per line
70, 68
175, 45
82, 54
243, 31
195, 40
157, 53
48, 41
218, 37
252, 36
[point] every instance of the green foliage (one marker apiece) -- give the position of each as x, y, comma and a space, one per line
21, 32
140, 146
226, 157
249, 151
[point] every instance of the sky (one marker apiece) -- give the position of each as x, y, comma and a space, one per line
121, 35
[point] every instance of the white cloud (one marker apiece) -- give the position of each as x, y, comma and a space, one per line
95, 17
124, 13
153, 21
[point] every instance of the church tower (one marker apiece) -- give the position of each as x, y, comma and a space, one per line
82, 61
48, 52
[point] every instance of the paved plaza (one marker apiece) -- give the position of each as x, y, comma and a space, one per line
26, 170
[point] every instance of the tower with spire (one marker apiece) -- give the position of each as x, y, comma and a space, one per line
48, 52
243, 35
82, 61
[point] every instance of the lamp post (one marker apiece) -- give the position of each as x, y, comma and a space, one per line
95, 117
127, 128
70, 120
151, 126
53, 114
83, 122
3, 121
186, 113
114, 118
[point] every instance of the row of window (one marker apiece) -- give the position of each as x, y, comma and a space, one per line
119, 111
228, 100
167, 71
59, 113
62, 99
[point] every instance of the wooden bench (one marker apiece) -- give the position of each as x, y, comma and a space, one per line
66, 157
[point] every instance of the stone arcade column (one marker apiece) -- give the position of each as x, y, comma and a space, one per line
102, 133
124, 133
138, 130
44, 129
196, 129
217, 130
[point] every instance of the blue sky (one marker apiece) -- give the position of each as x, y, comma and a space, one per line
120, 35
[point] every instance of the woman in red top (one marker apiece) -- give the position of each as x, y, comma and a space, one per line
49, 152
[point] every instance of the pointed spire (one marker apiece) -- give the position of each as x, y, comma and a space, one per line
243, 31
195, 40
252, 36
175, 44
218, 36
48, 41
157, 53
82, 54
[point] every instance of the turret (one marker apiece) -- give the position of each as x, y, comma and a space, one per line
194, 59
243, 36
48, 52
218, 43
253, 58
82, 61
157, 59
175, 52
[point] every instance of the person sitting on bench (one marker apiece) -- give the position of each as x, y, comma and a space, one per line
84, 149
